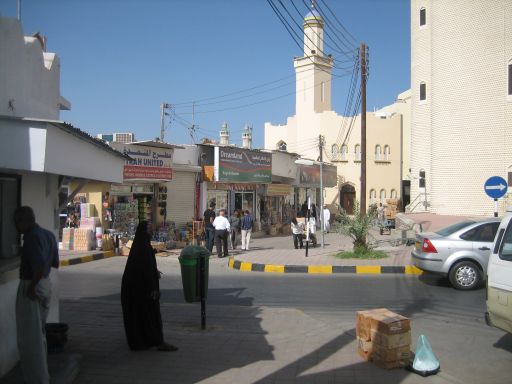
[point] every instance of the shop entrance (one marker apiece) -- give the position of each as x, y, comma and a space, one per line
347, 198
244, 201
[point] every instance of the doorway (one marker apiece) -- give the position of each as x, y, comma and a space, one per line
347, 198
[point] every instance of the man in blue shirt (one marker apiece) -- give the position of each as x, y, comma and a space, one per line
39, 254
247, 224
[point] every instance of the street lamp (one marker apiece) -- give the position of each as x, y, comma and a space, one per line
311, 162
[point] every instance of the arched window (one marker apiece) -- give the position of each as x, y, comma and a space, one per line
423, 17
344, 152
393, 194
378, 152
387, 153
281, 145
357, 152
423, 91
334, 152
382, 196
373, 196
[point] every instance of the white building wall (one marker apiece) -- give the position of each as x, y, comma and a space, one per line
30, 77
466, 119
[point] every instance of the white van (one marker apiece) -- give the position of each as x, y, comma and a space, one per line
499, 278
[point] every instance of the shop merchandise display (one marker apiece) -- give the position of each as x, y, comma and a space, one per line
87, 210
78, 239
125, 217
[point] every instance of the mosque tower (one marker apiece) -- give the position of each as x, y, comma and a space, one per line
313, 70
224, 134
247, 137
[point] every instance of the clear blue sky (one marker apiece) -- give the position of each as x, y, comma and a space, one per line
121, 58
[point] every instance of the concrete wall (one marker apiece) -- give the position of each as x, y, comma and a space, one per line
40, 191
30, 77
461, 134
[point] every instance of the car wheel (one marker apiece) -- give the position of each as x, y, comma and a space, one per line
465, 275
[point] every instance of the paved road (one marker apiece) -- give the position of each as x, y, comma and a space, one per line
266, 328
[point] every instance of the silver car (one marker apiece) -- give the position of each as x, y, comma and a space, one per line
460, 251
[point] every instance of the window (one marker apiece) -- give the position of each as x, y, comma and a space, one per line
378, 152
386, 153
423, 17
373, 196
281, 145
357, 152
334, 152
393, 194
510, 78
382, 196
423, 91
344, 152
482, 233
9, 201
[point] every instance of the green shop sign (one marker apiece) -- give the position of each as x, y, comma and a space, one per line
242, 165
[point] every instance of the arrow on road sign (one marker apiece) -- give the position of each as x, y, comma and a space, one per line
501, 187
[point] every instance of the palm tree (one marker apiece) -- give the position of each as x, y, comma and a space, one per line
357, 226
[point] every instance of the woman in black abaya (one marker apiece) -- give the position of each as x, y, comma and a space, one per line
140, 295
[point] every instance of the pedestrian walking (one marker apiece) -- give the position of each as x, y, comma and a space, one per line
312, 230
38, 255
247, 224
297, 233
327, 217
234, 222
222, 227
209, 230
140, 296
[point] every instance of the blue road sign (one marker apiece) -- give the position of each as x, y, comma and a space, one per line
495, 187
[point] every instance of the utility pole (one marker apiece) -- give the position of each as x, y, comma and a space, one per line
163, 107
321, 209
363, 129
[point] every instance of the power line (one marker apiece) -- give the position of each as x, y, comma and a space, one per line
339, 22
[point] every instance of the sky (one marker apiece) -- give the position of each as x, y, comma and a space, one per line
120, 59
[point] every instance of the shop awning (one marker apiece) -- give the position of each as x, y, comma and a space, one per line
279, 189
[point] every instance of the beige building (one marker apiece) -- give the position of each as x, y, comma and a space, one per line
461, 134
314, 117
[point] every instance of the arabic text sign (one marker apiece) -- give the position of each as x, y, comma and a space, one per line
141, 172
310, 175
242, 165
147, 162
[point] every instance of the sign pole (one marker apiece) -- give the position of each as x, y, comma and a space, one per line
495, 207
496, 187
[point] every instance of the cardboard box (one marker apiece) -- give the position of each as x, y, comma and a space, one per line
389, 323
363, 324
390, 341
382, 354
392, 364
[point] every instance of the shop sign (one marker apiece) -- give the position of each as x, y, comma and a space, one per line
147, 162
242, 165
310, 175
279, 190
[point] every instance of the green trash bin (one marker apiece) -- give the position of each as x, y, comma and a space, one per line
190, 262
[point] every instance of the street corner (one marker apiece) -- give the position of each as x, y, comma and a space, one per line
93, 256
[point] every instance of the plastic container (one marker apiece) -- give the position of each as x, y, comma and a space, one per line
190, 262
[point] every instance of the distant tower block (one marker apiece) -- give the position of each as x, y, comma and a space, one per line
247, 137
224, 134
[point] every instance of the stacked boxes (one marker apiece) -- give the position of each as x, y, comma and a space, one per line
383, 337
391, 208
78, 239
68, 239
87, 210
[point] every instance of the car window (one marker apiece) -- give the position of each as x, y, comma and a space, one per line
447, 231
506, 244
483, 233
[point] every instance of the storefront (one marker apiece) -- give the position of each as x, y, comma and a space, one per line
307, 186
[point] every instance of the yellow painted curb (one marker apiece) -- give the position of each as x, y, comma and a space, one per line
64, 263
274, 268
370, 269
231, 262
245, 267
320, 269
413, 270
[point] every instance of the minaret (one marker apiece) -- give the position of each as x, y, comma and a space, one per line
224, 134
313, 70
247, 137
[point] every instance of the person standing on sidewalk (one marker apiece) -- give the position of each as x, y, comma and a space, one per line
209, 230
326, 219
297, 232
234, 222
140, 296
38, 255
222, 227
247, 224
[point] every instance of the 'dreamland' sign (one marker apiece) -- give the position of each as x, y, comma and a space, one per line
242, 165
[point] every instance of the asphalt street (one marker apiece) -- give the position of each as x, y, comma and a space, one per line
469, 351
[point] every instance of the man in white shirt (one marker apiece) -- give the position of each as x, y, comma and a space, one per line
327, 218
222, 227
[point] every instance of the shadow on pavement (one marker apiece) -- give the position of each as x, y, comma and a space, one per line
233, 338
505, 343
